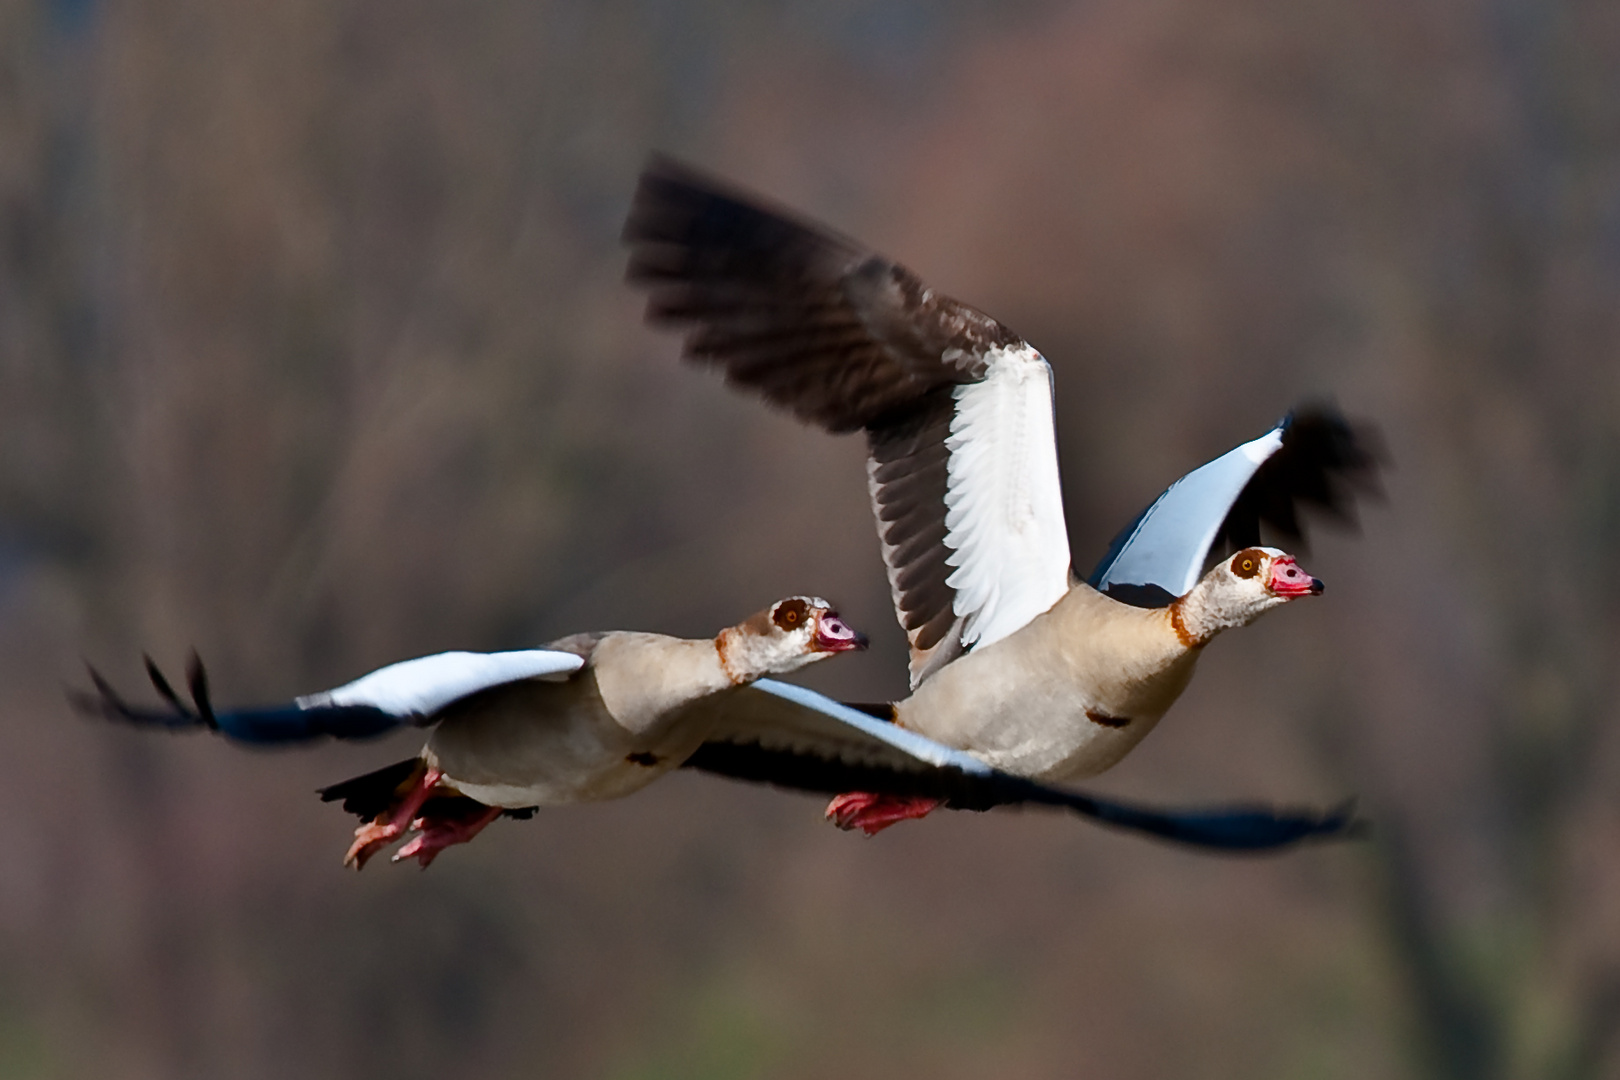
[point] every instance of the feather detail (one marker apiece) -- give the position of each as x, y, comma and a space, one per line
1004, 505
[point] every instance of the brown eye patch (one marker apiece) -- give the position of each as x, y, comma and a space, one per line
790, 614
1246, 563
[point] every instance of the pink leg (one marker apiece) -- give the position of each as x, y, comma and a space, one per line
873, 813
388, 826
439, 833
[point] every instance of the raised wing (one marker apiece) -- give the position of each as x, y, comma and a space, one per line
957, 409
790, 737
1314, 457
407, 693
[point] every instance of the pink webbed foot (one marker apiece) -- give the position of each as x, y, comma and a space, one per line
438, 833
873, 813
388, 826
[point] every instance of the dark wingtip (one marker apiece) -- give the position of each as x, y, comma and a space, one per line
82, 703
197, 680
1354, 447
1328, 462
660, 175
1238, 829
108, 704
105, 702
161, 685
101, 684
1326, 827
1342, 823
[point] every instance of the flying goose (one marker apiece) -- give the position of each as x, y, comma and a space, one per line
1013, 659
597, 716
591, 716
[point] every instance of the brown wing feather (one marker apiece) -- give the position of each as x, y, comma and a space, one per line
843, 338
906, 477
811, 320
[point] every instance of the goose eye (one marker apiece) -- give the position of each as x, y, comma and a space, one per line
1246, 563
789, 614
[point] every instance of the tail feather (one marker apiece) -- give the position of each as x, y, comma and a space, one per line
379, 791
374, 792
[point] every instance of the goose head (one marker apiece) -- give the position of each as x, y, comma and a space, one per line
786, 636
1238, 591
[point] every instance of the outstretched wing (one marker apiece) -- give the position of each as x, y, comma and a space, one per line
957, 409
1314, 457
407, 693
784, 735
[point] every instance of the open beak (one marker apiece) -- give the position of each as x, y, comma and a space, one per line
1287, 579
834, 635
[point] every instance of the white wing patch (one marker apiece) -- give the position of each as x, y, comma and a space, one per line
1004, 506
1173, 537
427, 684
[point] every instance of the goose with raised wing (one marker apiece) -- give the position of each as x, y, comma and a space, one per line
1014, 660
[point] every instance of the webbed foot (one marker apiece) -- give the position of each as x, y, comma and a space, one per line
434, 834
389, 825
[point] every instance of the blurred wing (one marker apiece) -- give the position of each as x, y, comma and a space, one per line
787, 736
957, 409
407, 693
1315, 456
778, 715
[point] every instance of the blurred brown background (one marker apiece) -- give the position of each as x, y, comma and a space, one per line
315, 354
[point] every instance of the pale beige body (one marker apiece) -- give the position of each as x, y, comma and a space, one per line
1071, 692
1022, 704
611, 729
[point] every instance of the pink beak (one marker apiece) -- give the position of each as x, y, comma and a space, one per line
1287, 579
833, 635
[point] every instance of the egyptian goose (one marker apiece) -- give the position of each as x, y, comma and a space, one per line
596, 716
592, 716
1013, 659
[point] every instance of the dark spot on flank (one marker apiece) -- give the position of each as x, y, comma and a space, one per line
790, 614
641, 757
1105, 720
